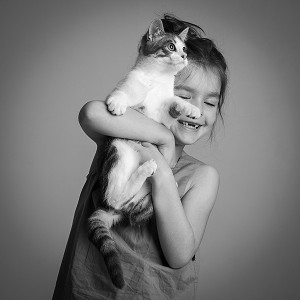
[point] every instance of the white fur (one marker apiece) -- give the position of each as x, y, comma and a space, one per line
150, 84
148, 87
107, 217
128, 176
127, 163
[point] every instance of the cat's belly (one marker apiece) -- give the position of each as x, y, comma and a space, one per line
126, 178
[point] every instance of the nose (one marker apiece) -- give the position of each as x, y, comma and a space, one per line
201, 112
183, 55
198, 103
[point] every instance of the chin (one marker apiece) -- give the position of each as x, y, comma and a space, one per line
185, 141
180, 65
190, 140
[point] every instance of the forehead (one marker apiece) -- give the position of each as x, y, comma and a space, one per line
169, 38
198, 79
178, 41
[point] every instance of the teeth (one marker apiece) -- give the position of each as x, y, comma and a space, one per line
190, 125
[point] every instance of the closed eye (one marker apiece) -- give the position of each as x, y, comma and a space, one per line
184, 97
210, 104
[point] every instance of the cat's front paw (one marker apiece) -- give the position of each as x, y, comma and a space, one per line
149, 167
187, 109
117, 106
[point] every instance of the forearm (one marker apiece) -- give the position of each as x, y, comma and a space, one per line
174, 229
97, 122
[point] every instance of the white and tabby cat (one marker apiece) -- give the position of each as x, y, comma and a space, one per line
148, 88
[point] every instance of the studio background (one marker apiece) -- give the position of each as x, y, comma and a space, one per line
57, 55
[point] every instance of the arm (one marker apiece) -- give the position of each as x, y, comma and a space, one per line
181, 223
97, 122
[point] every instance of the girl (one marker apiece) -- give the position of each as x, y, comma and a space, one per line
159, 259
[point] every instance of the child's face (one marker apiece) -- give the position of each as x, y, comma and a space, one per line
201, 88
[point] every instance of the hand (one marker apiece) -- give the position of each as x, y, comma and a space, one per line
149, 151
168, 152
167, 148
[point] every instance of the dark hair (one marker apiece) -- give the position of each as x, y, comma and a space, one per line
201, 51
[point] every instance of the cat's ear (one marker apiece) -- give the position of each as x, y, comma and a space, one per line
156, 29
183, 34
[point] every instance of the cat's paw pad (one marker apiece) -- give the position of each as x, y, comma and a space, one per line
116, 105
195, 113
189, 110
149, 167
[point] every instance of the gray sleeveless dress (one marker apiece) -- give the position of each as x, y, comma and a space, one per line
83, 274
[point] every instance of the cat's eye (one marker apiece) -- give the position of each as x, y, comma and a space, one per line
171, 47
184, 49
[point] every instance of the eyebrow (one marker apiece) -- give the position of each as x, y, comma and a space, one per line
214, 95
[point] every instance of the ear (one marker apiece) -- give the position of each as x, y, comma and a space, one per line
183, 34
156, 29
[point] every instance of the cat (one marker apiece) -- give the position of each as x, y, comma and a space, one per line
148, 88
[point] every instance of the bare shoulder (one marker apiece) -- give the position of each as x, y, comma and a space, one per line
205, 175
203, 188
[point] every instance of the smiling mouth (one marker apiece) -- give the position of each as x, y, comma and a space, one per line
189, 124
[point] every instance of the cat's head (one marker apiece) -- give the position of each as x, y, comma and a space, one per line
166, 48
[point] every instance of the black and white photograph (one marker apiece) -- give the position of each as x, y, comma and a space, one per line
150, 150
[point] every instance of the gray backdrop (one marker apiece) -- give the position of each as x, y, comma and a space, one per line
57, 55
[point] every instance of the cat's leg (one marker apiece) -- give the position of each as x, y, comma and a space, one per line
135, 183
99, 234
142, 211
126, 176
130, 92
140, 208
182, 107
117, 102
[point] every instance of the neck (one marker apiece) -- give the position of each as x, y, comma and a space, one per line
153, 66
178, 151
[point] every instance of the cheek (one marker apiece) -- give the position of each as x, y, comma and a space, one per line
211, 118
175, 56
174, 126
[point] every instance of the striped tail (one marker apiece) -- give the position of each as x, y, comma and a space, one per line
99, 224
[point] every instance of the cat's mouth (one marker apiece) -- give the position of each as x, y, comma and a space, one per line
179, 62
189, 124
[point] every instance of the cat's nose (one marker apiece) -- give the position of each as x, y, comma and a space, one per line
183, 56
